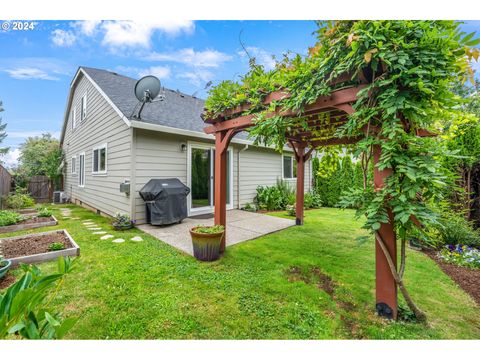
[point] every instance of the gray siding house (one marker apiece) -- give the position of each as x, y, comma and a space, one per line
105, 147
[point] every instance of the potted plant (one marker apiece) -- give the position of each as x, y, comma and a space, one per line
206, 241
4, 266
122, 222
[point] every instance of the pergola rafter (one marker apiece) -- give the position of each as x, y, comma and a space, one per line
335, 107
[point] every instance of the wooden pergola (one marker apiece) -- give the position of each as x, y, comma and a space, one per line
335, 108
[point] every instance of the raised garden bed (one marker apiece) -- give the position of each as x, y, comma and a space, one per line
30, 223
28, 211
34, 248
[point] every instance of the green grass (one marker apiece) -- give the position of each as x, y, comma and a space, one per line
150, 290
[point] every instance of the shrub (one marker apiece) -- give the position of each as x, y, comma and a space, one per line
8, 217
453, 229
291, 210
122, 221
461, 255
312, 200
19, 200
44, 212
250, 207
275, 197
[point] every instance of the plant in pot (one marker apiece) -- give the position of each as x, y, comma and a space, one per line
206, 241
4, 266
122, 222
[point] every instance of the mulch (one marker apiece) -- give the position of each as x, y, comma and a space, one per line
6, 281
32, 245
467, 279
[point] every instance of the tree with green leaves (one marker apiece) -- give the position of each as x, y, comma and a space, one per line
410, 67
42, 155
3, 133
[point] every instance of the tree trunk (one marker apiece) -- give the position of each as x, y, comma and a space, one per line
420, 315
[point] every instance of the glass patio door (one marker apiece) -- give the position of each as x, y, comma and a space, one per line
202, 170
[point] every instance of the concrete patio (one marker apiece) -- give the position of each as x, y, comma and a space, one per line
241, 226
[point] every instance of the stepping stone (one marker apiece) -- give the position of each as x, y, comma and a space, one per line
75, 218
105, 237
118, 241
94, 229
66, 217
99, 232
89, 224
137, 238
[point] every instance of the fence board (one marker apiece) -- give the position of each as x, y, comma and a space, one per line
5, 185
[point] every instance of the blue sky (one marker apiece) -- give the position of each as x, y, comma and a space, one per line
37, 65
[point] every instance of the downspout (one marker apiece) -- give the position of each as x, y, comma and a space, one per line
238, 173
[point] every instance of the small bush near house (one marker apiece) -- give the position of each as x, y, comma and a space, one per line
19, 200
44, 212
122, 222
275, 197
8, 217
250, 207
461, 255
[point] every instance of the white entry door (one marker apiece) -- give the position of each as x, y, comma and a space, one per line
201, 170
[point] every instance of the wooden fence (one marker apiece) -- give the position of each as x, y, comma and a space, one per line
5, 185
38, 188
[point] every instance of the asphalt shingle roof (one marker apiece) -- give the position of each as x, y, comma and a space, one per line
177, 110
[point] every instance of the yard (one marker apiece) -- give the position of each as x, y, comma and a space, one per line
310, 282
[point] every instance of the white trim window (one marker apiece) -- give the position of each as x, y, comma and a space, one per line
73, 114
99, 159
81, 170
83, 113
289, 167
74, 164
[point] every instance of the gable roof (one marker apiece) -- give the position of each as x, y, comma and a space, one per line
176, 111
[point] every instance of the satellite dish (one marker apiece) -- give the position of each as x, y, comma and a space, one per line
147, 88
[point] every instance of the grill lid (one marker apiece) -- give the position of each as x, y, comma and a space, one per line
157, 188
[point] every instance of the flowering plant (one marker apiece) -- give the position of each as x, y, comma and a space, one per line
122, 222
461, 255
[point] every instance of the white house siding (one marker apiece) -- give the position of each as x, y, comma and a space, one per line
262, 167
102, 125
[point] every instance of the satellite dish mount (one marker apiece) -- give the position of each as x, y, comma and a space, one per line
146, 90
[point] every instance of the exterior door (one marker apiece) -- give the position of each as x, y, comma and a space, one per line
201, 170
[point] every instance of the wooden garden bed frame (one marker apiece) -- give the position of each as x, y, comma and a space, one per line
339, 105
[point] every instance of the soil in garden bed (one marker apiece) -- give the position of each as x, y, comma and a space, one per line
467, 279
6, 281
35, 220
33, 245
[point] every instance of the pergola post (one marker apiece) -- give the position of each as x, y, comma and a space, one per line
385, 285
222, 140
300, 196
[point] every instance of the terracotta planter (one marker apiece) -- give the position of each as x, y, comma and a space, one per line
206, 247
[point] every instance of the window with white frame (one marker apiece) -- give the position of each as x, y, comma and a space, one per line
74, 164
81, 170
289, 167
73, 114
83, 113
99, 159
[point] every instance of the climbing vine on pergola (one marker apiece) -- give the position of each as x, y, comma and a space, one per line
380, 85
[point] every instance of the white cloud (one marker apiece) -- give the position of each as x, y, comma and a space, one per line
138, 33
197, 77
87, 27
207, 58
29, 73
261, 56
10, 159
63, 38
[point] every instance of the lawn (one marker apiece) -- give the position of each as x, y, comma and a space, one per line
274, 287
